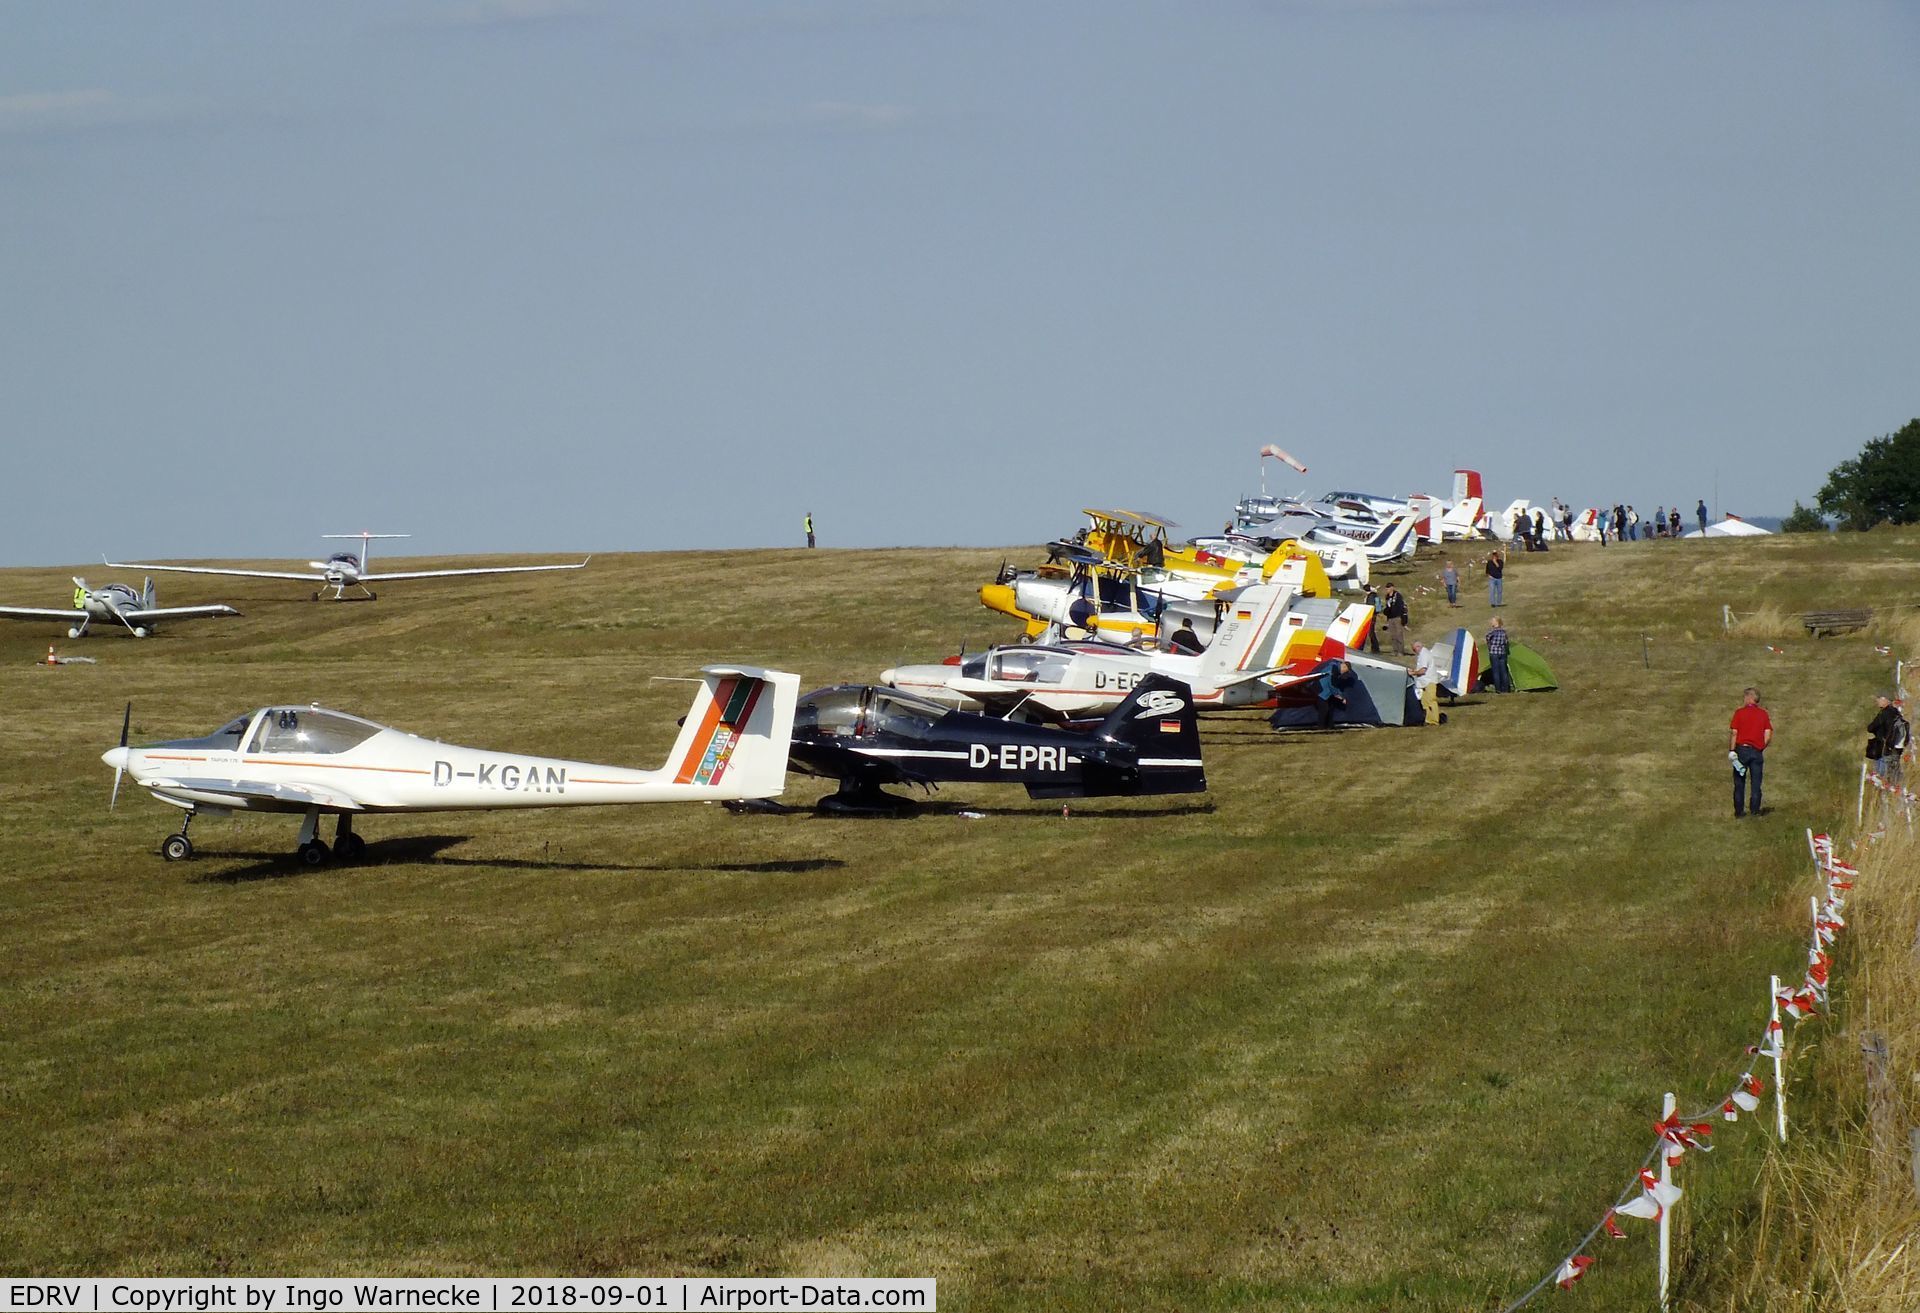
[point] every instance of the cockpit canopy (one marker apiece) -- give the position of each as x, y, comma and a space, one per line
309, 729
861, 710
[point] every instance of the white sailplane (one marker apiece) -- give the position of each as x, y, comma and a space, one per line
344, 570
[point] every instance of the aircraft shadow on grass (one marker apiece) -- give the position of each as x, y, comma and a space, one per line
429, 849
941, 807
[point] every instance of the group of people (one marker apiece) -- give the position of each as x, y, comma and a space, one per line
1621, 524
1750, 734
1625, 525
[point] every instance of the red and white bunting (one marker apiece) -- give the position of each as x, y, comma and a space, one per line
1571, 1271
1799, 1005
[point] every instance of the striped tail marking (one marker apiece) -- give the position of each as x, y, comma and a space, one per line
713, 745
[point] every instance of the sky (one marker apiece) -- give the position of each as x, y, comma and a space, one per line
571, 275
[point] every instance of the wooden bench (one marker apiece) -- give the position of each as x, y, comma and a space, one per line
1821, 623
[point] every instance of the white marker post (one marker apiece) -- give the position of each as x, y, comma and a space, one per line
1814, 848
1666, 1210
1776, 1040
1860, 807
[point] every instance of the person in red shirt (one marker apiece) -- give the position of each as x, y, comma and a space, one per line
1750, 731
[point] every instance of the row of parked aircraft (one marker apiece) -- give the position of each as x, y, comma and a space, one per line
1127, 638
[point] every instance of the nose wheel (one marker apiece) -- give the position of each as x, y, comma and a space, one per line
178, 847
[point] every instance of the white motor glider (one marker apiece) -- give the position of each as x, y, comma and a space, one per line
344, 570
311, 761
115, 603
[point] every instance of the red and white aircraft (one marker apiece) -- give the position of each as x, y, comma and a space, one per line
311, 762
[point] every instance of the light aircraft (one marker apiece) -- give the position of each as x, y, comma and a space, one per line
344, 570
1267, 636
867, 737
1377, 542
1105, 602
113, 602
310, 761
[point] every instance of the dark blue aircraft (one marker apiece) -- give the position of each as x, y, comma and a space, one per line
868, 737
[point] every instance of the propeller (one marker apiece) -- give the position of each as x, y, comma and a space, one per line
120, 768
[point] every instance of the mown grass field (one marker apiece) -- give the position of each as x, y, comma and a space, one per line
1379, 1022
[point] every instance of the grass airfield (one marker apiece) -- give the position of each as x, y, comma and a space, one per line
1380, 1021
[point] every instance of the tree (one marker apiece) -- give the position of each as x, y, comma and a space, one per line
1880, 485
1804, 519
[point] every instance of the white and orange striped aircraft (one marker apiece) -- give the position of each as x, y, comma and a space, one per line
310, 761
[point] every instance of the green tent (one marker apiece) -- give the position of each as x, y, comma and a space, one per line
1529, 671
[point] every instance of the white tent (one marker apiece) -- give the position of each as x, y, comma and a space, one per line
1731, 527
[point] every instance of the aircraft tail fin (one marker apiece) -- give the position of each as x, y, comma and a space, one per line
1150, 744
1243, 639
734, 740
146, 595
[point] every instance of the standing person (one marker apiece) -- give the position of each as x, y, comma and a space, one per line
1749, 733
1673, 523
1633, 525
1888, 739
1701, 512
1619, 523
1184, 640
809, 528
1451, 578
1496, 573
1373, 630
1659, 529
1497, 657
1426, 684
1394, 609
1539, 531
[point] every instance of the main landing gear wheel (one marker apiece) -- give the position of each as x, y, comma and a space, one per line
313, 852
177, 848
350, 848
864, 800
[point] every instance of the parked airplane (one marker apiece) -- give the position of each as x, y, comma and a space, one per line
115, 602
1266, 638
312, 762
868, 737
344, 570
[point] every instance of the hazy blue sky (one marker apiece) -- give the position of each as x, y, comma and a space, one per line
570, 276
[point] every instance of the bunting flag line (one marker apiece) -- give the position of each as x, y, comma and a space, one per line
1650, 1198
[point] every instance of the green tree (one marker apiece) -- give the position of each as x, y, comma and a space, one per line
1804, 519
1880, 485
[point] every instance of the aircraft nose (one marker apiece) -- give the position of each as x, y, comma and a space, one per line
116, 757
887, 677
998, 597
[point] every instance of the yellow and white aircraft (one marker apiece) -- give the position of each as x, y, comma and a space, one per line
1120, 605
344, 570
311, 762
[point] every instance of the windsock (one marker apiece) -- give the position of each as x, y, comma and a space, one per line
1279, 455
1571, 1271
